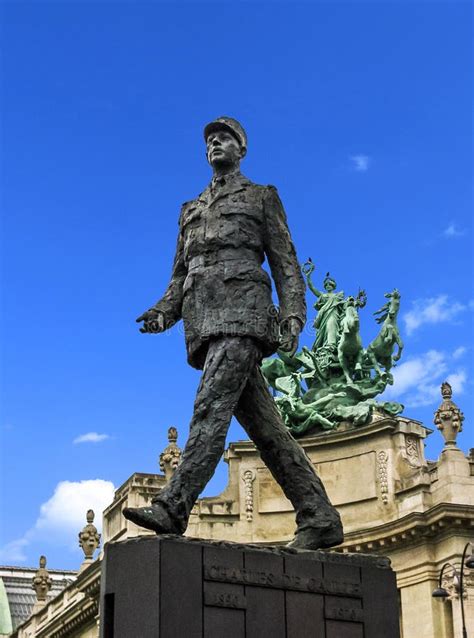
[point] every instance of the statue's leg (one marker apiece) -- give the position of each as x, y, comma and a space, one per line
319, 523
373, 360
228, 364
343, 362
332, 330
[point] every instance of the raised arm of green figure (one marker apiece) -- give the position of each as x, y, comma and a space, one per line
308, 268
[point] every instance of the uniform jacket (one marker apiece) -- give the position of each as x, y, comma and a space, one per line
218, 286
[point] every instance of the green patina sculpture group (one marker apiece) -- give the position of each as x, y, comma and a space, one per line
337, 379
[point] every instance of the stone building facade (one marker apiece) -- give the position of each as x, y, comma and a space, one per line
393, 501
18, 597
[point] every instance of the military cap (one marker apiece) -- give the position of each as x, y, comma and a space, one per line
228, 124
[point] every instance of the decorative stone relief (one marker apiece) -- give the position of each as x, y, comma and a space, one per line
171, 455
382, 461
452, 584
89, 537
41, 581
448, 417
413, 455
248, 477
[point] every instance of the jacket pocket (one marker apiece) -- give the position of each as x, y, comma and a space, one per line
241, 208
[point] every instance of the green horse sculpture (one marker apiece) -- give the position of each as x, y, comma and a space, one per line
337, 380
380, 351
349, 350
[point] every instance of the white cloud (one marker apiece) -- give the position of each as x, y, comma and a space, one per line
91, 437
453, 231
417, 382
360, 162
457, 381
14, 552
62, 516
66, 510
432, 310
459, 352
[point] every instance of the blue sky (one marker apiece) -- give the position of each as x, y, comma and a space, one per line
359, 113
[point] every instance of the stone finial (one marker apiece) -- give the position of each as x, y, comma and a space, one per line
448, 417
446, 391
41, 582
89, 539
171, 455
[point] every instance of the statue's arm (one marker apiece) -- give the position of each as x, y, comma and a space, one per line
282, 259
169, 306
290, 361
312, 287
308, 269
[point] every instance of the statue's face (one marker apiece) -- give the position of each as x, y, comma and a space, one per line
223, 148
329, 286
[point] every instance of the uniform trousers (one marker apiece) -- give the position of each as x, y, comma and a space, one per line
232, 384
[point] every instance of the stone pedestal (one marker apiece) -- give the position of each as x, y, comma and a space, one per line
172, 587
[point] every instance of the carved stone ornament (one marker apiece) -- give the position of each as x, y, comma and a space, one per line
448, 417
248, 478
452, 583
41, 581
171, 455
382, 461
413, 455
89, 537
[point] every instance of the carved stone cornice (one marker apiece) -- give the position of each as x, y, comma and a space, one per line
443, 519
338, 437
88, 581
75, 616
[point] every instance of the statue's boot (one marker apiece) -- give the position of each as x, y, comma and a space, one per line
317, 537
154, 517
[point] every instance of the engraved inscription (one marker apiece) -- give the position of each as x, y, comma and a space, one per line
343, 609
237, 576
344, 613
224, 599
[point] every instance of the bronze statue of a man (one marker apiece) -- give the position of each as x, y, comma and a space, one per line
223, 295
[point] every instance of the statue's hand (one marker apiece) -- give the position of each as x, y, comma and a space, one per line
153, 321
289, 334
308, 268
